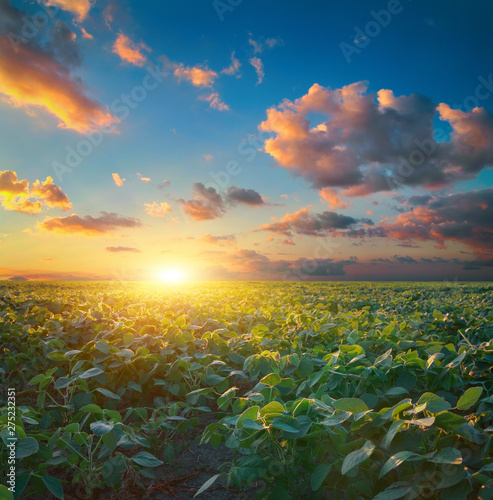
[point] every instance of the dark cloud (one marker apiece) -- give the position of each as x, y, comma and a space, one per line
207, 203
236, 195
305, 223
87, 225
464, 218
368, 143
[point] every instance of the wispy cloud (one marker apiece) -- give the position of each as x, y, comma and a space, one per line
88, 225
123, 249
129, 51
233, 68
257, 63
215, 101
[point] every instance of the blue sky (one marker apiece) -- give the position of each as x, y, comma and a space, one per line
299, 188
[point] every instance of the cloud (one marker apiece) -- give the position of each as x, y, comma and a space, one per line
368, 143
143, 179
256, 265
207, 157
256, 62
464, 218
122, 249
233, 68
50, 194
35, 74
15, 194
207, 203
332, 199
261, 43
80, 8
304, 223
198, 76
156, 209
235, 195
129, 51
215, 102
88, 225
229, 239
118, 180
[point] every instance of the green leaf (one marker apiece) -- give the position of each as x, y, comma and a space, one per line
251, 413
128, 338
272, 407
100, 427
251, 424
113, 470
279, 424
57, 356
336, 418
5, 494
449, 421
319, 475
110, 440
206, 485
469, 398
26, 447
434, 403
37, 379
146, 459
447, 456
352, 405
169, 453
397, 490
92, 372
396, 460
438, 315
102, 346
74, 427
54, 486
393, 430
107, 393
271, 380
357, 457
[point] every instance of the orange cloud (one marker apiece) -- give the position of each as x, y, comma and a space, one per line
257, 63
31, 79
87, 225
78, 7
198, 76
143, 179
229, 239
85, 34
233, 68
130, 51
207, 203
331, 197
215, 102
15, 194
118, 180
156, 209
50, 194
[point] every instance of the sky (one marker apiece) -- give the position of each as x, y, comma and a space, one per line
246, 140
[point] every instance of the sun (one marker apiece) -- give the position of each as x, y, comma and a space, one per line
172, 275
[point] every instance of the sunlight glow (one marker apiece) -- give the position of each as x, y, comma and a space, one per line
172, 275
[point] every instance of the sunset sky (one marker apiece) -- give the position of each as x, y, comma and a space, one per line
329, 140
